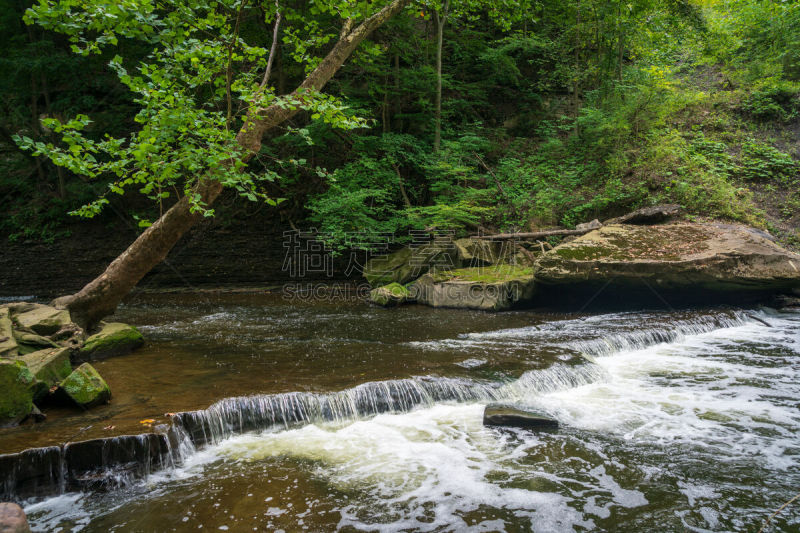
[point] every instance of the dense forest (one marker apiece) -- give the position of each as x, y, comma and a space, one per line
461, 115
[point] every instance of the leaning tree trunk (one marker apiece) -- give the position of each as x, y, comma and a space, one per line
100, 297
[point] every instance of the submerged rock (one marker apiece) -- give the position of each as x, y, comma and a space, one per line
509, 416
717, 257
16, 392
490, 288
113, 339
85, 387
13, 519
389, 295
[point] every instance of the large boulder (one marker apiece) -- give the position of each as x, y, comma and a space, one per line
85, 387
43, 319
409, 263
17, 386
113, 339
389, 295
489, 288
684, 256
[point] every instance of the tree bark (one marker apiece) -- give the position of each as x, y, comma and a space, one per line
441, 20
100, 297
534, 235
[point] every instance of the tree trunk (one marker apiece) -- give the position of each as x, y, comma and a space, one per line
440, 19
101, 296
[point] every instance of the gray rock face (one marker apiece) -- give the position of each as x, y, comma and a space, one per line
477, 252
510, 416
717, 257
43, 319
487, 289
13, 519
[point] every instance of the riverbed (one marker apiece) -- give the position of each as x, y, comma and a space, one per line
671, 420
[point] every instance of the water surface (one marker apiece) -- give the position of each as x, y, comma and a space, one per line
671, 420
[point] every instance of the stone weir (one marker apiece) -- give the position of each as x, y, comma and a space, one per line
88, 465
115, 462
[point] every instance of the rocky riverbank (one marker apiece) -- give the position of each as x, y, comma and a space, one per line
45, 359
708, 261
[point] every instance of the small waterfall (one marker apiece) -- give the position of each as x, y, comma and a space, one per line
98, 464
248, 413
643, 338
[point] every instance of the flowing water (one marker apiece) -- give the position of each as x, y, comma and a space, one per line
338, 416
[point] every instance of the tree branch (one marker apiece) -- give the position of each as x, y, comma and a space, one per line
274, 46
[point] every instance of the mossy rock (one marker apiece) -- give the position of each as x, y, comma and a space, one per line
389, 295
85, 387
16, 392
385, 269
50, 366
408, 263
489, 289
43, 319
113, 339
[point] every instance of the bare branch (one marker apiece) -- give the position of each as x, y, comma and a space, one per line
274, 46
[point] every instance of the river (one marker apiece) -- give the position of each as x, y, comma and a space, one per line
322, 416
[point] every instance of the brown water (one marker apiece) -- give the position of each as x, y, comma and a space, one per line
678, 420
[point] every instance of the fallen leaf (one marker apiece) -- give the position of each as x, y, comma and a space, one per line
109, 427
147, 421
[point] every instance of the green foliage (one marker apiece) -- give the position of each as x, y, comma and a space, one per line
761, 162
554, 113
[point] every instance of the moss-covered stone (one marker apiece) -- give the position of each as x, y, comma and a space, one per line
389, 295
50, 366
113, 339
85, 387
16, 392
489, 289
408, 263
